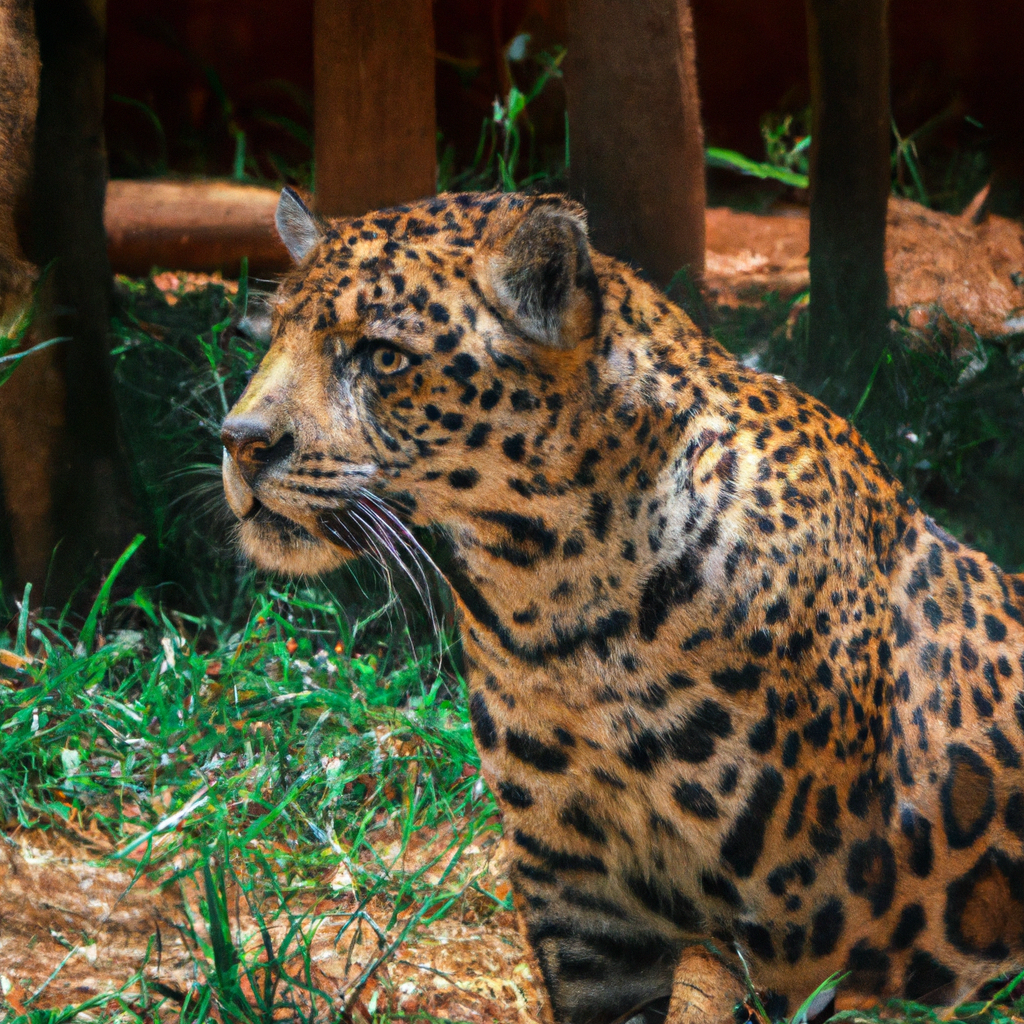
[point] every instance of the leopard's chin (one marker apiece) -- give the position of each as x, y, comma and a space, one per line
278, 544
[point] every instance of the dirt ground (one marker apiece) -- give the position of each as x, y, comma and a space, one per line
74, 925
945, 272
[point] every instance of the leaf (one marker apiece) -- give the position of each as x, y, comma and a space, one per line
819, 998
734, 161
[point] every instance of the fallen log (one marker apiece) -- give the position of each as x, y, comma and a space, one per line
192, 225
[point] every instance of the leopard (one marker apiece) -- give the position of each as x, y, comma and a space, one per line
751, 717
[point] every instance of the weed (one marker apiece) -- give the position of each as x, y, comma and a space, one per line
500, 149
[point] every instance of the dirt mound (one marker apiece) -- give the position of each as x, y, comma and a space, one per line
945, 272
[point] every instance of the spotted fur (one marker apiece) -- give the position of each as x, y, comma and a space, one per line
727, 682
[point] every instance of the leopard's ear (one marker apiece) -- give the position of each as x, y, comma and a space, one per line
296, 224
542, 277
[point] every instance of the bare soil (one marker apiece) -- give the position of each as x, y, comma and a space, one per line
947, 275
70, 914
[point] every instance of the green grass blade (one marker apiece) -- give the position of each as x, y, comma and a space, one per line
22, 635
99, 606
728, 158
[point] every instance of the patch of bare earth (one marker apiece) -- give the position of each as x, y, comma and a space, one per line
68, 911
945, 273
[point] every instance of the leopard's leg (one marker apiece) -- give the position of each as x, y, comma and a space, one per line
597, 967
704, 989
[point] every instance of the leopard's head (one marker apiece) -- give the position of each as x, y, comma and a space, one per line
420, 358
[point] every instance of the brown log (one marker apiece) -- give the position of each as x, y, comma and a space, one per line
192, 225
636, 143
375, 129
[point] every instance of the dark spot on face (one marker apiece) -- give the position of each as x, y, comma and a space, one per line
463, 479
490, 398
523, 401
734, 681
599, 516
514, 447
477, 437
760, 643
574, 546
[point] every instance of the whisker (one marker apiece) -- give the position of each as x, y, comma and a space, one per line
397, 526
418, 578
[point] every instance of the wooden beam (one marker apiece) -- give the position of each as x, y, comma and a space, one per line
192, 225
635, 136
374, 104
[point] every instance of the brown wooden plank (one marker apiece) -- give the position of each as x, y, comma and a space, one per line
374, 104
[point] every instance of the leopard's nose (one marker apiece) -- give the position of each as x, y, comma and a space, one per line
255, 445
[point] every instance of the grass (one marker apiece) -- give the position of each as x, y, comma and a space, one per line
232, 734
252, 765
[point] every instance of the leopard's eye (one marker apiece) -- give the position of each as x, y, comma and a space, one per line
388, 360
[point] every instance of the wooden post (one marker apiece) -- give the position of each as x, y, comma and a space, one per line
635, 135
26, 434
374, 104
848, 44
90, 500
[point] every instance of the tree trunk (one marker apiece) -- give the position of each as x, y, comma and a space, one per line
89, 499
849, 59
26, 441
636, 142
375, 134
